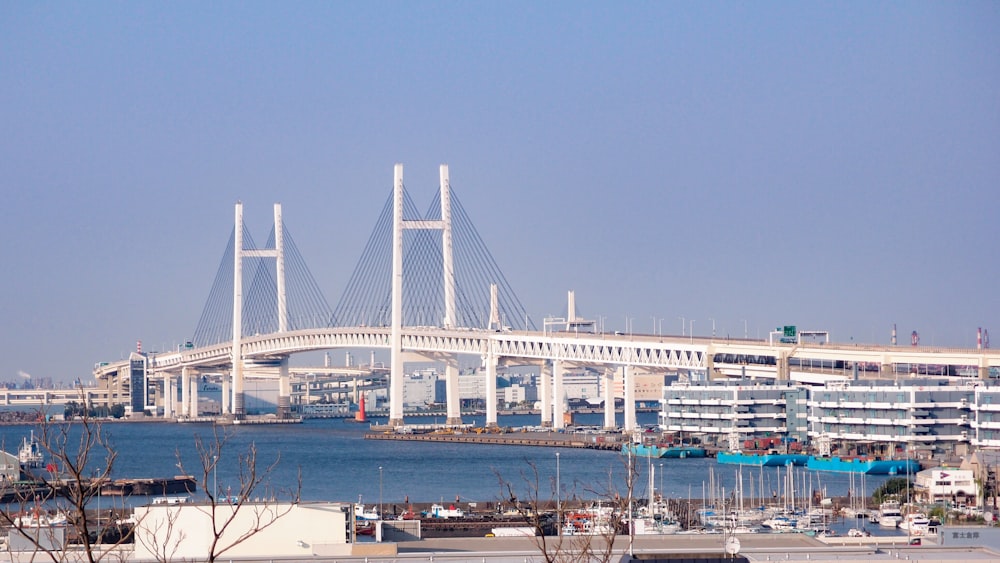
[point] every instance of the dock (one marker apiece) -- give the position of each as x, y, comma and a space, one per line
543, 439
180, 484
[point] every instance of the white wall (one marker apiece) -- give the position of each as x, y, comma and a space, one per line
184, 532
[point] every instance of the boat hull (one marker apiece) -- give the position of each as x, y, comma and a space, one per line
762, 460
675, 452
866, 466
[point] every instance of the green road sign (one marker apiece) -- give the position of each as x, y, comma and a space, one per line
790, 331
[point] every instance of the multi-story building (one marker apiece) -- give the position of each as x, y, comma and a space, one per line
985, 424
724, 411
888, 418
918, 418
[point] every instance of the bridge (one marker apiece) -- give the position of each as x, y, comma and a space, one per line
455, 302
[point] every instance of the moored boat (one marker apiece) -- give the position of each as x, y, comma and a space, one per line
761, 460
663, 451
867, 466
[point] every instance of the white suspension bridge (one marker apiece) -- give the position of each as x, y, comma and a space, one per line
455, 302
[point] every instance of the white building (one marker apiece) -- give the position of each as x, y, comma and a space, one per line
945, 485
183, 532
419, 389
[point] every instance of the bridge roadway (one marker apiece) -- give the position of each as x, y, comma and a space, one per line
552, 352
514, 347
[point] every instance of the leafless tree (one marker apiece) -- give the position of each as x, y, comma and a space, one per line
567, 529
79, 457
235, 515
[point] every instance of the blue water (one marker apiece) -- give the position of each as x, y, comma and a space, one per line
338, 464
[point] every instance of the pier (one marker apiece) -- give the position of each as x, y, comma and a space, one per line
545, 439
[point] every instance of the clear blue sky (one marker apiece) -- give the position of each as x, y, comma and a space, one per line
829, 165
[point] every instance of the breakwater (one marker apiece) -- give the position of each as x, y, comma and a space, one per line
541, 439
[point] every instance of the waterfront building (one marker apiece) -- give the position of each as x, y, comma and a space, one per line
725, 410
517, 394
421, 389
986, 420
915, 419
472, 385
954, 487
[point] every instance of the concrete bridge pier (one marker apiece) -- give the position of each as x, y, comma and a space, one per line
609, 399
192, 402
169, 395
491, 387
782, 368
452, 397
545, 393
558, 396
628, 381
185, 390
284, 390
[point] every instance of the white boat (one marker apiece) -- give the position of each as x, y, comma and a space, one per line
915, 523
38, 518
30, 452
361, 512
438, 511
856, 533
889, 515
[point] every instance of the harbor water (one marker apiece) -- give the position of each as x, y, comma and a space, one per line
338, 464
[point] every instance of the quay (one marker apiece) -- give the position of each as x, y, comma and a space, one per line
544, 439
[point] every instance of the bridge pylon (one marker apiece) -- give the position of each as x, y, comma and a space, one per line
237, 407
399, 224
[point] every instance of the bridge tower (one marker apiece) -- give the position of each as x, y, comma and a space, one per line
399, 224
237, 408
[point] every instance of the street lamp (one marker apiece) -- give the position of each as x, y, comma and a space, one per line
713, 327
380, 492
683, 323
558, 498
745, 333
691, 329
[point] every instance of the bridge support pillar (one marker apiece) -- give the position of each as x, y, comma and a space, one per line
710, 373
185, 391
782, 368
628, 380
491, 388
169, 395
608, 383
558, 398
452, 398
545, 393
193, 396
284, 390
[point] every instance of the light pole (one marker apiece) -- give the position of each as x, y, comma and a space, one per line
380, 492
602, 317
713, 327
683, 324
659, 324
98, 482
558, 498
661, 480
691, 330
746, 335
